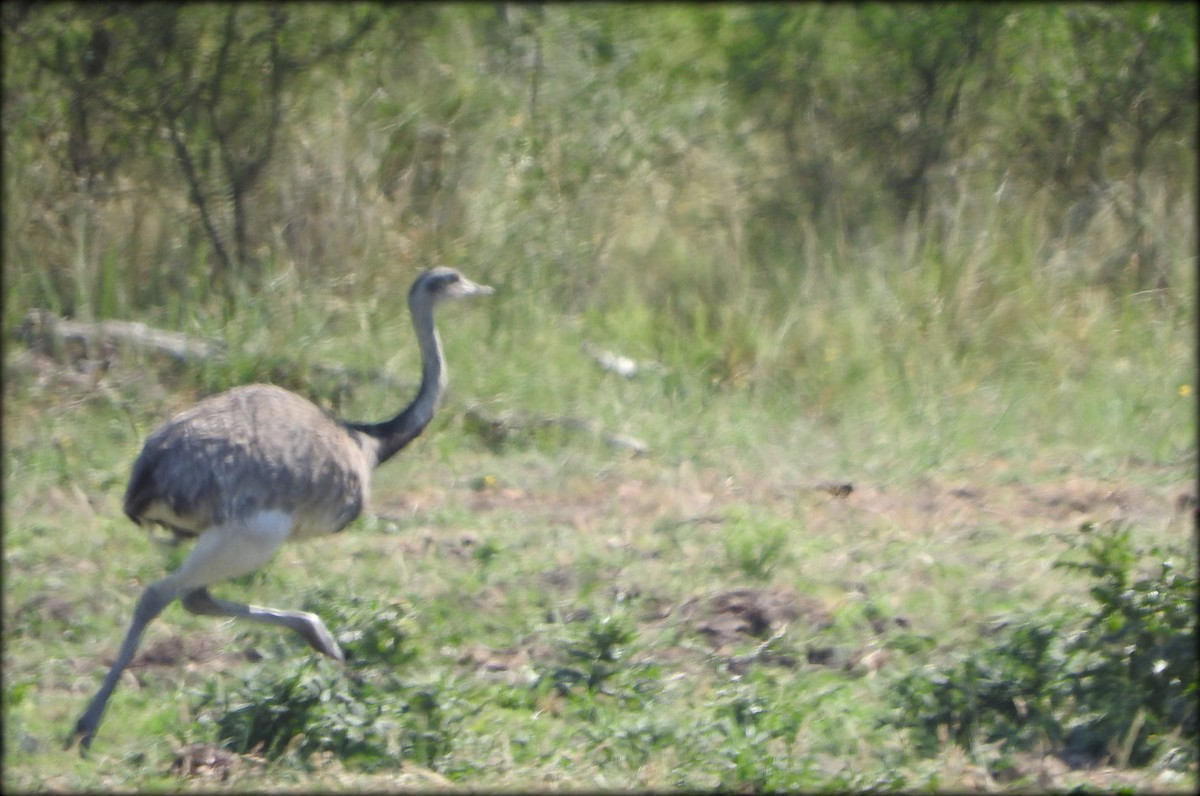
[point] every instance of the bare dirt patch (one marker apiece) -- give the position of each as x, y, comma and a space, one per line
511, 665
205, 761
193, 651
730, 616
1007, 502
1013, 505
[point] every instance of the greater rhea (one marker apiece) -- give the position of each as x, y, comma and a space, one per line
248, 469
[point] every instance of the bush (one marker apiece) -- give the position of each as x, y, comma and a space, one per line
1122, 685
363, 713
1133, 675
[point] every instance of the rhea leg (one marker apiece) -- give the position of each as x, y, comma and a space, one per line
221, 553
156, 597
307, 625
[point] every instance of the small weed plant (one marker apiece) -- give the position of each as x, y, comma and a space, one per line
1120, 684
757, 547
591, 656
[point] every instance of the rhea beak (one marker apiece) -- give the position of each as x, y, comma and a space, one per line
468, 288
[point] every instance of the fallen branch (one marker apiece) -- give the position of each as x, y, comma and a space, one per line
48, 333
53, 336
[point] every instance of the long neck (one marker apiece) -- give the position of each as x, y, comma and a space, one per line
392, 435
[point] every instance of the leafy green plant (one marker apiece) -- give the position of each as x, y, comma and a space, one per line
757, 547
1004, 692
363, 713
308, 707
1123, 685
1135, 676
593, 655
372, 632
757, 735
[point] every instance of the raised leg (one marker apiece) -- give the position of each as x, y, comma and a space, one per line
221, 553
307, 625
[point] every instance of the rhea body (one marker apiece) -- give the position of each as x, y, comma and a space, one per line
248, 469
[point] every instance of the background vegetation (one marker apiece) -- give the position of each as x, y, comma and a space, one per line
944, 253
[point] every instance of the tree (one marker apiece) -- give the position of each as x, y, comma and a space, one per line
919, 68
203, 86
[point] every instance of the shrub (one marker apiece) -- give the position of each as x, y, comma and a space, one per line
362, 713
592, 655
1133, 674
1123, 684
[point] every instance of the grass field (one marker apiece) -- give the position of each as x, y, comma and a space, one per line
535, 608
902, 493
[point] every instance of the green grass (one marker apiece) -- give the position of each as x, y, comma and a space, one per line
553, 591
